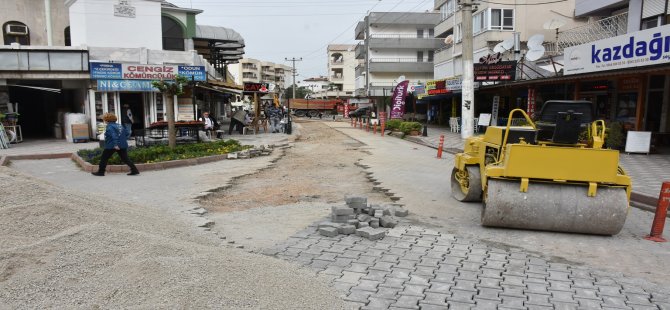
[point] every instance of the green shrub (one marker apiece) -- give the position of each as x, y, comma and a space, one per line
407, 127
393, 124
614, 135
160, 153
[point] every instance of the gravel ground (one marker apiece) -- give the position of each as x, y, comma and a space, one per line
63, 249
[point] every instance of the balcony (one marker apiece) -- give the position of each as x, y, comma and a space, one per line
360, 50
336, 63
360, 70
249, 68
444, 54
49, 60
445, 26
336, 78
400, 65
409, 41
605, 28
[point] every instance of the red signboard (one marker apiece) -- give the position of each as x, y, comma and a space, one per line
256, 87
501, 71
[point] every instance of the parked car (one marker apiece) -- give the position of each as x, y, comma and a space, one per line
364, 111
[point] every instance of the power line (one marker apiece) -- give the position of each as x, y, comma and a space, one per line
538, 3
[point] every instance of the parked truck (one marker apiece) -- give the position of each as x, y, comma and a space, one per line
314, 107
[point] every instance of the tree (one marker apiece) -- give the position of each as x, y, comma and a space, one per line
171, 89
300, 92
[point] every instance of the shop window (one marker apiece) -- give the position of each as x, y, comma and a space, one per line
16, 32
66, 36
173, 35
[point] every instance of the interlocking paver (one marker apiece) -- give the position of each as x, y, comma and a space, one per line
416, 269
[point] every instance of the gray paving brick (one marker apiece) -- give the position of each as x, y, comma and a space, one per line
640, 307
439, 299
491, 273
559, 267
462, 296
513, 302
497, 257
418, 280
350, 277
406, 264
440, 287
342, 262
587, 294
485, 304
579, 283
393, 283
342, 286
458, 253
488, 283
466, 285
489, 294
432, 307
513, 280
332, 270
638, 299
358, 296
614, 301
413, 290
540, 270
471, 266
412, 256
589, 303
538, 300
407, 302
357, 267
372, 252
396, 251
367, 285
439, 247
445, 276
402, 245
424, 243
562, 296
537, 262
467, 275
565, 306
452, 260
435, 255
319, 264
560, 286
455, 305
429, 262
386, 292
609, 290
378, 303
327, 257
494, 264
316, 250
558, 276
324, 243
400, 273
536, 307
375, 275
581, 274
605, 281
512, 291
536, 288
389, 258
419, 250
447, 268
513, 270
359, 247
382, 246
382, 266
370, 260
337, 248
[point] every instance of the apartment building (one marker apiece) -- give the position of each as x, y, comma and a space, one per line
342, 65
257, 71
394, 44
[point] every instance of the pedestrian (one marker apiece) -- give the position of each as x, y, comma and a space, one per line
127, 119
209, 123
115, 142
275, 118
237, 121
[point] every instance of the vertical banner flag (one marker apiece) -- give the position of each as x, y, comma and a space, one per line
398, 99
531, 102
494, 111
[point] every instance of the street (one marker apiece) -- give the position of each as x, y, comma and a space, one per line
264, 212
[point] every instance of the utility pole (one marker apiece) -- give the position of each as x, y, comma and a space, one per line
467, 94
289, 126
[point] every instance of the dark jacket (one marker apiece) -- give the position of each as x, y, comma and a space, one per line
115, 135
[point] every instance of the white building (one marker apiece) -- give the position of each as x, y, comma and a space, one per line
342, 65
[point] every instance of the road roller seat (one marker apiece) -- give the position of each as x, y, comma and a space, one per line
561, 121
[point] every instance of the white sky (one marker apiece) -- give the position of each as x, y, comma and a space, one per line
274, 30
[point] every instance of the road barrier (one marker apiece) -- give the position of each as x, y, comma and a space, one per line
374, 130
439, 146
656, 233
382, 129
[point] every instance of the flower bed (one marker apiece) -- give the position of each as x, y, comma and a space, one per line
161, 153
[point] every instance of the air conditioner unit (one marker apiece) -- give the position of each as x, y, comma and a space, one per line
17, 30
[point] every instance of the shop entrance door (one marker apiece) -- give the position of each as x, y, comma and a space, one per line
135, 102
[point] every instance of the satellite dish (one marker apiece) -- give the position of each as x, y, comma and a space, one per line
553, 24
449, 39
535, 53
499, 48
508, 43
535, 40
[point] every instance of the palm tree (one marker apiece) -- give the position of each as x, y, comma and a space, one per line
171, 89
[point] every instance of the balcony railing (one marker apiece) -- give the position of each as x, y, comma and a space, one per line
403, 59
397, 36
249, 68
336, 77
605, 28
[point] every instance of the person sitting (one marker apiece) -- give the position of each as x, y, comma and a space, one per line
209, 123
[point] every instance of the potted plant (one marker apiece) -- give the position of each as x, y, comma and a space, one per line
614, 136
411, 128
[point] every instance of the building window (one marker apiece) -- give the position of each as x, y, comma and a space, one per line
431, 33
16, 32
451, 7
419, 33
502, 19
173, 35
479, 22
651, 22
419, 56
458, 33
66, 36
430, 56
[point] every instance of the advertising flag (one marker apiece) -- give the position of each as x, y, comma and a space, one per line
398, 99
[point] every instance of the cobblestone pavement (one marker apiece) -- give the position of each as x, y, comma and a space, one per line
417, 268
647, 171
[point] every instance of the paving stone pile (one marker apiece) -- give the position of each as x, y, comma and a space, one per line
361, 219
256, 151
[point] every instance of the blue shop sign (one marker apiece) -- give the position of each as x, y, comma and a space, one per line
104, 70
126, 85
197, 72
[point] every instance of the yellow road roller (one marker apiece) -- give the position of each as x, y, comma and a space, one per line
552, 174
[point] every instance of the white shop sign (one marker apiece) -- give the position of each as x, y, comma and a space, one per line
641, 48
638, 142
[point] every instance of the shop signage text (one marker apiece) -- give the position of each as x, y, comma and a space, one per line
491, 59
500, 71
445, 86
256, 87
125, 85
102, 70
398, 99
641, 48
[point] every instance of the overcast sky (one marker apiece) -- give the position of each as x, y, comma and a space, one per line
274, 30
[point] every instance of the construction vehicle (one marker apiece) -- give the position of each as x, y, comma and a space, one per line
314, 107
552, 174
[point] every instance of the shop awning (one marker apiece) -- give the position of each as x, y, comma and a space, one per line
222, 90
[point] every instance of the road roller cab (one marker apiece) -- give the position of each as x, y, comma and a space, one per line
552, 174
